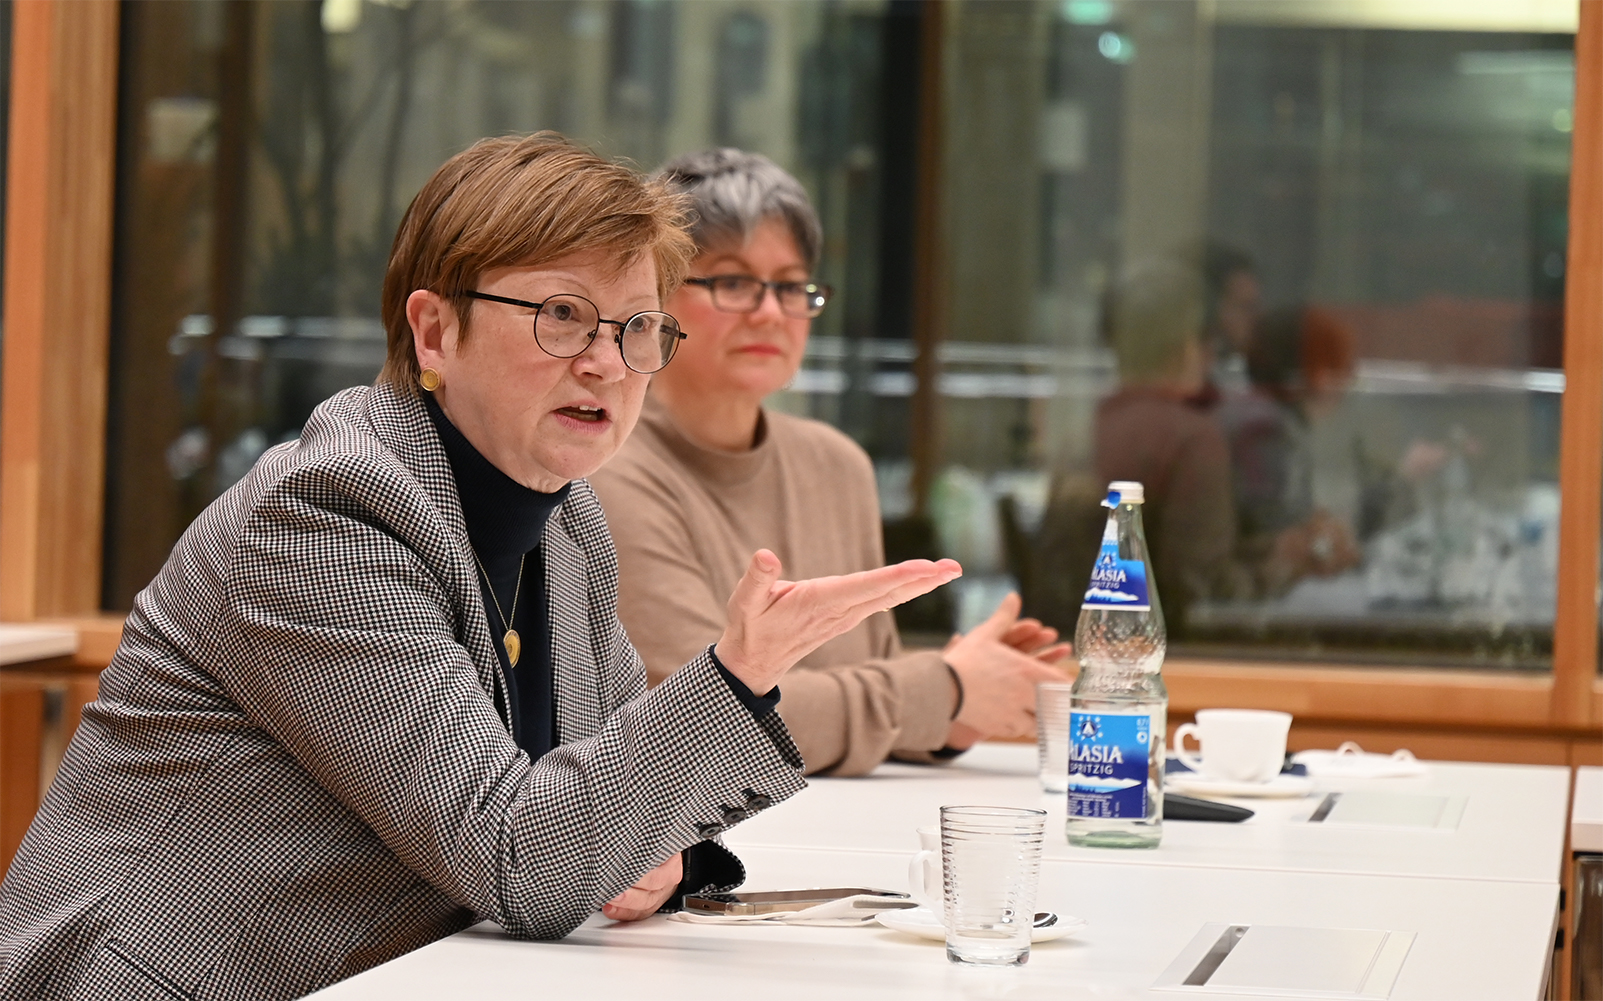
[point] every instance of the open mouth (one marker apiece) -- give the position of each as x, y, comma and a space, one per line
589, 414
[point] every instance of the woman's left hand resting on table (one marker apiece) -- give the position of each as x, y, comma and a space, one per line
650, 892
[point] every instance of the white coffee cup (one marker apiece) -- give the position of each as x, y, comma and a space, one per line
1238, 745
924, 872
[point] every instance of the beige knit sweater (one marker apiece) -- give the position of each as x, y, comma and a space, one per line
687, 519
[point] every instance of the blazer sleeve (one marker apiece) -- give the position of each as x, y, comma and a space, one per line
848, 718
340, 640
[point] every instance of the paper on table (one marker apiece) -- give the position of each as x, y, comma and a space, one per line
1351, 761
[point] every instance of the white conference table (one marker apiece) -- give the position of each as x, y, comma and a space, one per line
1511, 828
1481, 900
1474, 939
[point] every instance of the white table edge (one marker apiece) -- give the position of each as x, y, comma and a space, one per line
735, 845
22, 642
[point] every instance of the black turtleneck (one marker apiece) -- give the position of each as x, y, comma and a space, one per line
505, 521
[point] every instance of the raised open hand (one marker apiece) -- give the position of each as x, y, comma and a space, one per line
774, 623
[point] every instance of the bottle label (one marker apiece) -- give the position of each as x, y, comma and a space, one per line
1117, 583
1108, 764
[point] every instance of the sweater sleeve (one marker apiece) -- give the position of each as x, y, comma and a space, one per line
668, 606
848, 718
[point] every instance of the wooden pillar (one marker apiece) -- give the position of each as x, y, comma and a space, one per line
59, 185
1575, 627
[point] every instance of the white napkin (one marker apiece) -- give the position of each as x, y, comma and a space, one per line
1351, 761
847, 912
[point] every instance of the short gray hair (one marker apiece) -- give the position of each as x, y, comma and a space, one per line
733, 192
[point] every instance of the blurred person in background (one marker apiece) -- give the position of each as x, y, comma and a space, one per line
710, 473
1300, 362
1151, 430
1231, 304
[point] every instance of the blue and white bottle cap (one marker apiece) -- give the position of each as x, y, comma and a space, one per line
1127, 491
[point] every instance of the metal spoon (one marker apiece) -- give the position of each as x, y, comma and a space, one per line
1045, 919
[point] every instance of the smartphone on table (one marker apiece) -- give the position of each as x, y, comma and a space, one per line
769, 901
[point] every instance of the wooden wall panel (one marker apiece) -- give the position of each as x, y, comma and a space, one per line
59, 190
98, 638
1407, 697
1575, 630
22, 710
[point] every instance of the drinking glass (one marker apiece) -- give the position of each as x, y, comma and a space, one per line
1052, 734
991, 857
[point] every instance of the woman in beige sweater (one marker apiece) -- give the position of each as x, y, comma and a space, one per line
709, 475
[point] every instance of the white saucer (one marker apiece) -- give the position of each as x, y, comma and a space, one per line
1279, 787
924, 923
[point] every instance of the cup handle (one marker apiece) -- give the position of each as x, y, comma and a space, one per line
915, 877
1188, 759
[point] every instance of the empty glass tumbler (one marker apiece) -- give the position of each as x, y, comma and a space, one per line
992, 862
1052, 734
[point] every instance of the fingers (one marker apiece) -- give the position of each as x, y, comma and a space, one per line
1029, 636
633, 905
752, 594
649, 893
772, 623
896, 595
1002, 620
1055, 654
875, 590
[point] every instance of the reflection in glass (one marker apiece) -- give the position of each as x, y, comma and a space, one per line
1363, 225
1376, 214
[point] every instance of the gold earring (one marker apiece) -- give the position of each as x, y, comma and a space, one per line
429, 379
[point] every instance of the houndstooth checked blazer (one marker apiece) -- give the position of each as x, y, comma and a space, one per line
300, 764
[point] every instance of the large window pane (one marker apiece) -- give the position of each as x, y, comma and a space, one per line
1355, 457
268, 149
1352, 456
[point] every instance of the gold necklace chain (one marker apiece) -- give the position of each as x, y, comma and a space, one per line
509, 639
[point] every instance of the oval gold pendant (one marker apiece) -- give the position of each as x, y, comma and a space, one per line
514, 646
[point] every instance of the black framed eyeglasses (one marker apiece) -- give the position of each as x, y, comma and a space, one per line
744, 294
566, 325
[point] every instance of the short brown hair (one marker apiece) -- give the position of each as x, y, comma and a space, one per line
523, 201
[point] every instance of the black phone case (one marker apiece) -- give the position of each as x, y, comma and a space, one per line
1176, 807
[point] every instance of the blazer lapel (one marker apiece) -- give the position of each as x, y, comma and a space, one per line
573, 663
403, 425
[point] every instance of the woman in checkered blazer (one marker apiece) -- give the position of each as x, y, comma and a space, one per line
380, 691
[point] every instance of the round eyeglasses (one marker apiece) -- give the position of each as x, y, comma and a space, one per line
566, 325
744, 294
